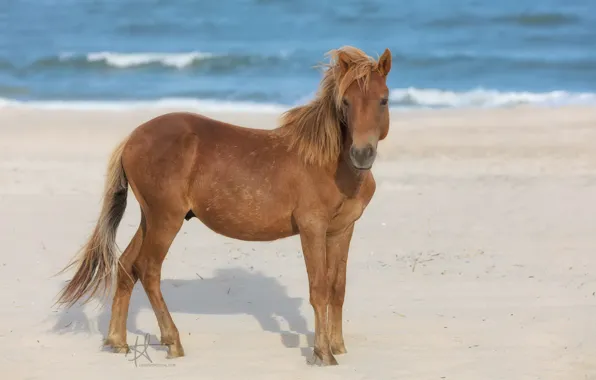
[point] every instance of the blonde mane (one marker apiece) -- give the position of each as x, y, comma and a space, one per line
314, 129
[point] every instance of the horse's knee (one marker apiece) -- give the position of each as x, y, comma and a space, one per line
338, 293
319, 294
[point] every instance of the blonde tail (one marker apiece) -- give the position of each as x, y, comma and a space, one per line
97, 260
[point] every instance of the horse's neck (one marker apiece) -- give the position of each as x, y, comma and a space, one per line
348, 179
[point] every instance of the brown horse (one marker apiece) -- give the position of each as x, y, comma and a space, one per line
310, 176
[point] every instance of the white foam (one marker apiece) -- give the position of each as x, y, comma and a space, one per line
400, 99
484, 98
167, 103
124, 60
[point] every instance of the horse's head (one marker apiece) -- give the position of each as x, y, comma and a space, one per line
349, 115
362, 101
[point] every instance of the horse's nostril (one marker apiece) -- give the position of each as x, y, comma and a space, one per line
353, 152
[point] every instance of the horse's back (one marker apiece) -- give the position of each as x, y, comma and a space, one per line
182, 136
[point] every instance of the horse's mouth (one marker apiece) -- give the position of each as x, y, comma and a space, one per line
360, 167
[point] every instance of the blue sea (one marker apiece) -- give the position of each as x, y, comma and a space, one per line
261, 54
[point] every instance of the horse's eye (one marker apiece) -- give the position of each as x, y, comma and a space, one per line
344, 102
384, 102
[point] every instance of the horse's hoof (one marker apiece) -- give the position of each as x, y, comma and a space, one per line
321, 360
116, 347
121, 349
175, 351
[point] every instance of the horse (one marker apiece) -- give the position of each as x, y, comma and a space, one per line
309, 176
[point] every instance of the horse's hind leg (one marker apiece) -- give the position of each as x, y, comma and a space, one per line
161, 231
126, 279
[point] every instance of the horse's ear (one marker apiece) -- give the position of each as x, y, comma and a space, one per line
384, 64
344, 61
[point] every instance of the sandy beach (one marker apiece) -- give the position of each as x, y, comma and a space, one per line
475, 259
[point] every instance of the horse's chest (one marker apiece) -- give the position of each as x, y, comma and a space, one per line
346, 213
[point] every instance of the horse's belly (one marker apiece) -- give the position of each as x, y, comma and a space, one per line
244, 221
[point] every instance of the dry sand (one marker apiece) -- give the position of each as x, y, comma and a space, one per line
475, 260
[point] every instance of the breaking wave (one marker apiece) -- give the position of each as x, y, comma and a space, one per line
436, 98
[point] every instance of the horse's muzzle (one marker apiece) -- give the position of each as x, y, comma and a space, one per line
363, 158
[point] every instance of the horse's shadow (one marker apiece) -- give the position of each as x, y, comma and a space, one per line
230, 291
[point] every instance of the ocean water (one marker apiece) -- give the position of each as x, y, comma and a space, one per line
261, 54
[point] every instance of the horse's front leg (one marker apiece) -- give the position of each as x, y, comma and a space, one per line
337, 259
313, 239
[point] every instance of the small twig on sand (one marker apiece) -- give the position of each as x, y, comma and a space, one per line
201, 277
416, 262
